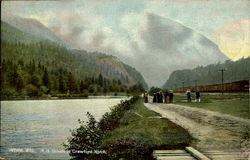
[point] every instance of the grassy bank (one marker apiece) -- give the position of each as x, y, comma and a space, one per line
232, 104
128, 131
142, 124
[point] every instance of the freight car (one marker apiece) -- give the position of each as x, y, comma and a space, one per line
238, 86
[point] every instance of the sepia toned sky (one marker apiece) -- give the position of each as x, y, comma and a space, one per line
113, 26
101, 22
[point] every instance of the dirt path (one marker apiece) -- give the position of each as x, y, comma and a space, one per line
214, 131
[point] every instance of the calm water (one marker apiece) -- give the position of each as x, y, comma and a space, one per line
37, 128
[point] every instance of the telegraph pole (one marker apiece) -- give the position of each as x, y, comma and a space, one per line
183, 86
222, 79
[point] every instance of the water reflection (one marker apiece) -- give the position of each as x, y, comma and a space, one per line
43, 125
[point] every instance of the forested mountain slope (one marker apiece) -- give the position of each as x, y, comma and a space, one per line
210, 74
31, 65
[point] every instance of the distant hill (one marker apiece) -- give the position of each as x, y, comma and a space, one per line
13, 35
210, 74
27, 59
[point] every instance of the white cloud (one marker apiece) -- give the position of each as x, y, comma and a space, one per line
130, 38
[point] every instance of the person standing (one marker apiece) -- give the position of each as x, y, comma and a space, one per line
145, 98
157, 97
160, 97
189, 96
166, 97
197, 96
171, 96
154, 98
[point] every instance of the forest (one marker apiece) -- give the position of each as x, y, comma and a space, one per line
35, 67
39, 75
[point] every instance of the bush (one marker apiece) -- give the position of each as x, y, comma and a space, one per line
110, 120
88, 137
44, 89
32, 90
85, 139
85, 93
7, 93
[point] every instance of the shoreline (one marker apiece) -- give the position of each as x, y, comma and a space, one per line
64, 98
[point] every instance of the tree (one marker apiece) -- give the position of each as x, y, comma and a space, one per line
100, 80
81, 86
35, 80
105, 90
119, 82
62, 85
20, 83
54, 83
32, 66
12, 76
154, 90
32, 90
46, 81
71, 82
91, 89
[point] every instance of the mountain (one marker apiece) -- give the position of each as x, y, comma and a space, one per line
33, 27
110, 66
166, 45
11, 34
210, 74
82, 64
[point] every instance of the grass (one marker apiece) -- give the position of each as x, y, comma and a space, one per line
154, 132
232, 104
142, 110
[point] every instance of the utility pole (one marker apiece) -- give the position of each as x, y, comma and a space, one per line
183, 86
222, 79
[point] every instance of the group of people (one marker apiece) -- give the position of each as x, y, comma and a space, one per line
161, 97
197, 96
158, 97
168, 97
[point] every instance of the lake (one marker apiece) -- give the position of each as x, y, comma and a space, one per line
37, 128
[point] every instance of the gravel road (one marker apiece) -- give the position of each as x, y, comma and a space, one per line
213, 131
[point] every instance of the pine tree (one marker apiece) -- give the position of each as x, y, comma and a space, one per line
46, 81
62, 88
19, 83
13, 76
71, 83
100, 80
81, 86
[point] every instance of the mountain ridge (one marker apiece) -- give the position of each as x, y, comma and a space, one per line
33, 27
68, 58
209, 75
168, 46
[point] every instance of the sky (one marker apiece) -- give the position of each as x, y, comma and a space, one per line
116, 26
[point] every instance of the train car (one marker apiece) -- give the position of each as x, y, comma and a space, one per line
238, 86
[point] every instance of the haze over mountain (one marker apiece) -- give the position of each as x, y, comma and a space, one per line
165, 45
33, 27
80, 62
155, 37
158, 47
